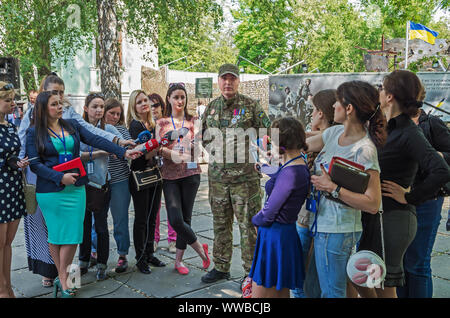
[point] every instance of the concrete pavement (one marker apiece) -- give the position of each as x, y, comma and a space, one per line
166, 282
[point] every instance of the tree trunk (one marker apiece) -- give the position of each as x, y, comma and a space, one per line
108, 39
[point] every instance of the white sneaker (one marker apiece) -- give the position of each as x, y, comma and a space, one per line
155, 246
172, 248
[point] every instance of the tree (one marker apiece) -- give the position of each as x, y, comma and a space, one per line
39, 32
140, 19
108, 37
324, 33
207, 49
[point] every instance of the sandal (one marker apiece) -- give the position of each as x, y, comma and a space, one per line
47, 282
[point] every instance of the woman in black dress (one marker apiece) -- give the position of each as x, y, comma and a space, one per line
12, 199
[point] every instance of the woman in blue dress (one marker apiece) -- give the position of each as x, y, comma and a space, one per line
278, 263
39, 258
61, 196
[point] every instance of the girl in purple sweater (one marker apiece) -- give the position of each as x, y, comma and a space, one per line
277, 264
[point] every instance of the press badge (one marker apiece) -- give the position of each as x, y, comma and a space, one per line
192, 165
178, 148
65, 157
90, 167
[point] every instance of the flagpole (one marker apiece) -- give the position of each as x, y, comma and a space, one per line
407, 45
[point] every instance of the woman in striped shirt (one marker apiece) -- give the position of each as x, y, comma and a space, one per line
120, 192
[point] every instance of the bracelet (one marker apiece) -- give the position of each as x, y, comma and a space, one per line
117, 141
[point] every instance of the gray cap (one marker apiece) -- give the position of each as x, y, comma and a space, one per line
229, 69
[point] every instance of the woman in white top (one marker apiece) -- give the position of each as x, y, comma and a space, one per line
339, 225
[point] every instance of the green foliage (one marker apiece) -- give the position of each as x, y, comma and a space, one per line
210, 47
37, 32
324, 33
170, 24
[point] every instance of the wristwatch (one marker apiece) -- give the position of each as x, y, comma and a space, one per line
335, 193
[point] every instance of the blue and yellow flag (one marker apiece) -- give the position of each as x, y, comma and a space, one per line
419, 31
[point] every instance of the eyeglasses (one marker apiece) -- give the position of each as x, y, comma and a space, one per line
56, 92
7, 87
176, 84
155, 105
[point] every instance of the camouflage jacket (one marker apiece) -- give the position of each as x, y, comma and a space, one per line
246, 116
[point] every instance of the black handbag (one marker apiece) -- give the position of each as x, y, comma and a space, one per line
148, 178
97, 199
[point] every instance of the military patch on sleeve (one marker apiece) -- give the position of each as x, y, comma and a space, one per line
261, 114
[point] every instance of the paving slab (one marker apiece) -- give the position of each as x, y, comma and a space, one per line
19, 258
442, 243
166, 282
227, 289
440, 266
441, 288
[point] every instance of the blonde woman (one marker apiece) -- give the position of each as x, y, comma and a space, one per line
146, 201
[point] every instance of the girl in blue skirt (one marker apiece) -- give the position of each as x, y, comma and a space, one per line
278, 264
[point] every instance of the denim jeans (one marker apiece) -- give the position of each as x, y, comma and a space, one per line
305, 239
332, 252
93, 237
119, 205
417, 259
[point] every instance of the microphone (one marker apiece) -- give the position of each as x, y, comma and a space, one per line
152, 144
144, 136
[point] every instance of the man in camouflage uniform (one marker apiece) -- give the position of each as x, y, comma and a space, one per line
234, 188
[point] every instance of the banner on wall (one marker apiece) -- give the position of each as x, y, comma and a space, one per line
290, 95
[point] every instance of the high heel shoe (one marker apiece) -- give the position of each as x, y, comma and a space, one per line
68, 293
208, 261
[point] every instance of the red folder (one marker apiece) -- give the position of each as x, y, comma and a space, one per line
72, 166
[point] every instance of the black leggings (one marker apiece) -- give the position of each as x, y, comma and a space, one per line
180, 196
144, 218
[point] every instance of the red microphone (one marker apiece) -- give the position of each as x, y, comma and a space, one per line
152, 144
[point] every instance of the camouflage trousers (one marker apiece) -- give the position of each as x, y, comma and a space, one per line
242, 200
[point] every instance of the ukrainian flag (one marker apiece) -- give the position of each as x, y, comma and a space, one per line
419, 31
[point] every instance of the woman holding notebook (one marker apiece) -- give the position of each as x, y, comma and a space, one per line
339, 225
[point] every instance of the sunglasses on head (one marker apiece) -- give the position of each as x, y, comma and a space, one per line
95, 95
155, 105
7, 87
176, 84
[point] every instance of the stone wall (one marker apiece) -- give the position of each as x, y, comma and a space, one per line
154, 81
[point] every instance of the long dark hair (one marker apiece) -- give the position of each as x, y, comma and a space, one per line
168, 110
159, 99
365, 100
51, 78
292, 135
324, 101
40, 121
407, 89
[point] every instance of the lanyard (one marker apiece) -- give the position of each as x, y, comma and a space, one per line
293, 159
91, 150
63, 139
279, 169
175, 127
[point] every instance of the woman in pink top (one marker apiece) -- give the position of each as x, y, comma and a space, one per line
181, 175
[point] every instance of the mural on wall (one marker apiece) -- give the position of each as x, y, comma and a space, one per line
291, 95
